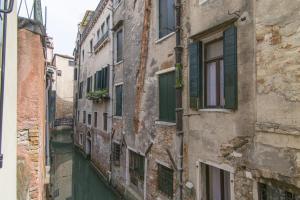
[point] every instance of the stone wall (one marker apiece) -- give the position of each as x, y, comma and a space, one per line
31, 115
276, 143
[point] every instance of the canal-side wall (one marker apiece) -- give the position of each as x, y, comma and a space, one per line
31, 110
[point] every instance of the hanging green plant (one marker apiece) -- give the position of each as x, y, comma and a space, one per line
98, 95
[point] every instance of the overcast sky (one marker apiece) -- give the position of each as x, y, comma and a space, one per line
63, 17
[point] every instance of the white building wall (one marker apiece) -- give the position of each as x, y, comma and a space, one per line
8, 175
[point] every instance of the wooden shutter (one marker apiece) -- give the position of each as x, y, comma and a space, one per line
195, 56
95, 82
98, 80
167, 98
230, 67
119, 99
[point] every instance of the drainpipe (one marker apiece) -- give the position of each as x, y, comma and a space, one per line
179, 86
112, 99
5, 12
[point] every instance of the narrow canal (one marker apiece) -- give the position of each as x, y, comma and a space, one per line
72, 176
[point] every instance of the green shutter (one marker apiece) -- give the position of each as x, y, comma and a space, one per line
98, 80
95, 82
119, 100
230, 67
195, 56
167, 98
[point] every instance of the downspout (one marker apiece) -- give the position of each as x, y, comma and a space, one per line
179, 86
112, 99
5, 12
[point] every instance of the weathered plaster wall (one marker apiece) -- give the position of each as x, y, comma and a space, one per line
211, 134
276, 143
64, 87
31, 113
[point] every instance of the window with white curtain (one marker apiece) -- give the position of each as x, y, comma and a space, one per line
215, 183
214, 74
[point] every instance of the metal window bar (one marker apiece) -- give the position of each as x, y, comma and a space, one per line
165, 180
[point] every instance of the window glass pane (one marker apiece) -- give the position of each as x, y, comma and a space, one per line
215, 184
214, 50
119, 45
211, 84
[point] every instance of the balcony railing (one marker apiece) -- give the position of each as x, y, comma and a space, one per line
64, 122
101, 42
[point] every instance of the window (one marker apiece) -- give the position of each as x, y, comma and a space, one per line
108, 22
166, 17
136, 167
165, 180
89, 119
213, 72
91, 46
167, 98
119, 45
116, 148
216, 183
84, 117
105, 121
75, 74
103, 29
89, 84
101, 79
82, 55
71, 63
95, 119
119, 100
98, 34
269, 192
78, 116
58, 72
80, 90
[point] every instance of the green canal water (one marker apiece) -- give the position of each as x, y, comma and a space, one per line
72, 176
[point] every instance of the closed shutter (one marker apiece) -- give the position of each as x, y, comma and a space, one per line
167, 98
95, 82
98, 80
119, 99
195, 57
230, 67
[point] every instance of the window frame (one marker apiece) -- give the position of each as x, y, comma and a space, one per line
119, 58
200, 177
89, 119
216, 60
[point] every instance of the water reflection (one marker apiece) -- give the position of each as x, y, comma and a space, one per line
72, 177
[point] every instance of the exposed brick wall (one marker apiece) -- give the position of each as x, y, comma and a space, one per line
31, 112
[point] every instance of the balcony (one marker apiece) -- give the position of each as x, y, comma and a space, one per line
98, 96
102, 41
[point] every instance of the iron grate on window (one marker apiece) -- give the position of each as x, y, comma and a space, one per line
165, 180
116, 153
269, 192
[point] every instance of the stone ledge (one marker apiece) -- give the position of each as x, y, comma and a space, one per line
269, 127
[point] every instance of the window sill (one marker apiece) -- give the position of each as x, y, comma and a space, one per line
162, 123
220, 110
118, 117
165, 37
119, 62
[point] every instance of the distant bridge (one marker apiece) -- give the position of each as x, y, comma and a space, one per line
64, 122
